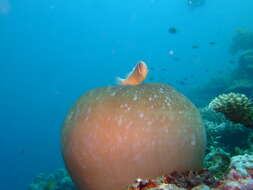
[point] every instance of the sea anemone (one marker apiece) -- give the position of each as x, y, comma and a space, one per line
235, 106
116, 134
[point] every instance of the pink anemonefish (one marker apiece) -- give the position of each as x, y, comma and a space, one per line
136, 76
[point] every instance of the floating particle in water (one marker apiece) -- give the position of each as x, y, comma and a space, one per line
171, 52
212, 43
195, 46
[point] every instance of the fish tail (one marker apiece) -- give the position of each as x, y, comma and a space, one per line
120, 80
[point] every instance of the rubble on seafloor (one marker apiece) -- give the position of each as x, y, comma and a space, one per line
239, 177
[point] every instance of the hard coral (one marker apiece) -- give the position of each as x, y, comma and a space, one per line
236, 107
221, 133
59, 180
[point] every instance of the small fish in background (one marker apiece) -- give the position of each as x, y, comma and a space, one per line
212, 43
136, 76
181, 82
231, 62
185, 79
172, 30
21, 152
195, 46
151, 68
192, 76
176, 58
151, 78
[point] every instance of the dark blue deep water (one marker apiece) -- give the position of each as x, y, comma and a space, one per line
52, 51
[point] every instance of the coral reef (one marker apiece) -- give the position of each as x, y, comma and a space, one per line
240, 174
235, 106
59, 180
243, 86
176, 180
221, 134
246, 60
242, 40
217, 162
239, 80
203, 94
239, 177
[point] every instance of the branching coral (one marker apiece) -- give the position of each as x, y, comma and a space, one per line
236, 107
243, 40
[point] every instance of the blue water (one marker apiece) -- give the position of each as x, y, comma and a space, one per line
52, 51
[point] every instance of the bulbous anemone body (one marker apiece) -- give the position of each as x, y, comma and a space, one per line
114, 135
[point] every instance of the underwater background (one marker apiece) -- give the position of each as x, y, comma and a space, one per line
52, 51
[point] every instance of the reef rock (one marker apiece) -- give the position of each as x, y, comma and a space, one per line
242, 40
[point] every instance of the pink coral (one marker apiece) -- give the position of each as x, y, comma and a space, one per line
240, 175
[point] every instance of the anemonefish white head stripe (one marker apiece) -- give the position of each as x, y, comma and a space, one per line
136, 76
